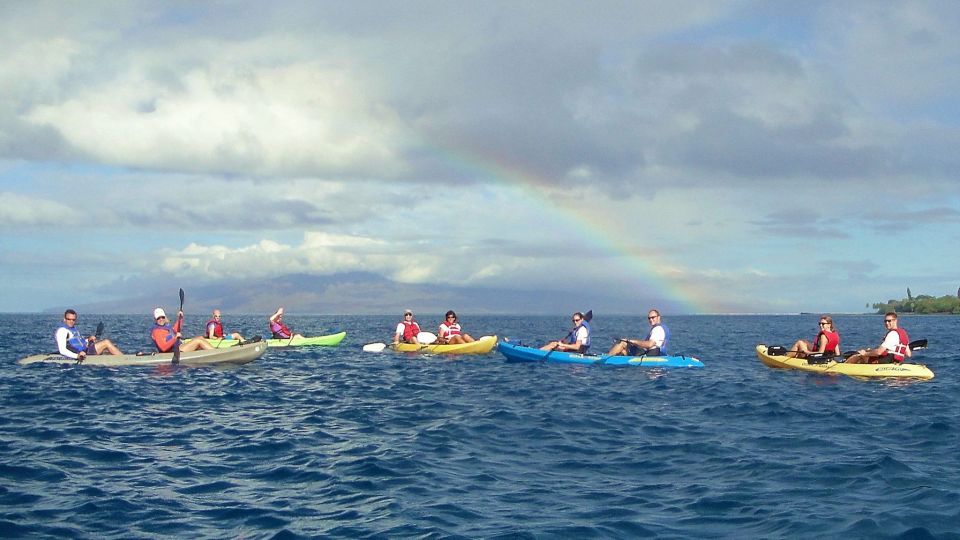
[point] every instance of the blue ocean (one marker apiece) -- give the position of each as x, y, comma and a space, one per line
335, 442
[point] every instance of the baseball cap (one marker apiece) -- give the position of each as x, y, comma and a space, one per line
157, 313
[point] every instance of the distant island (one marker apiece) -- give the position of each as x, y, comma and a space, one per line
922, 304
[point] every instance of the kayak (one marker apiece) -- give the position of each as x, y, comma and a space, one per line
858, 371
519, 353
316, 341
240, 354
480, 346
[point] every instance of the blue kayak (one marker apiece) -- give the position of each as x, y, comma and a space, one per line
519, 353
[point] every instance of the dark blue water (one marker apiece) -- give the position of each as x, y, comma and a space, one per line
335, 442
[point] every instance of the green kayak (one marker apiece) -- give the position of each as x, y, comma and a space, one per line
316, 341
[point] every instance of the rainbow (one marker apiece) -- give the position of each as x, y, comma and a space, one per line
649, 272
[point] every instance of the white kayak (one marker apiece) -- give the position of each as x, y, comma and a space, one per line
241, 354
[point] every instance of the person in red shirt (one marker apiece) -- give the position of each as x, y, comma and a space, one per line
164, 336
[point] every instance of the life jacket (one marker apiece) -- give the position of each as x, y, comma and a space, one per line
666, 337
833, 340
573, 336
163, 336
76, 343
279, 330
447, 330
217, 328
410, 330
900, 352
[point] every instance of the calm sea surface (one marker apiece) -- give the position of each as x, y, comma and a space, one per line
336, 442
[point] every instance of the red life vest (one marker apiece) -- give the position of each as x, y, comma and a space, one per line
217, 328
833, 340
447, 330
901, 350
279, 330
410, 330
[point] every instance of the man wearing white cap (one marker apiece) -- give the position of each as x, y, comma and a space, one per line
165, 336
407, 329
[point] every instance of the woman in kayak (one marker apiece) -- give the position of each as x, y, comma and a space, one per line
827, 340
280, 330
450, 332
407, 329
165, 336
215, 329
578, 340
72, 344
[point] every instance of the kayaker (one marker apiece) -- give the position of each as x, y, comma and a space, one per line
407, 329
215, 328
827, 340
165, 336
895, 346
72, 344
450, 331
655, 344
280, 330
578, 340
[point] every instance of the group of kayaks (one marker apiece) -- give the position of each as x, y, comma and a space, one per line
233, 352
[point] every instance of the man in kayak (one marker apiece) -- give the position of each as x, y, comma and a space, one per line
450, 332
407, 329
72, 344
655, 344
578, 340
165, 336
827, 340
280, 330
215, 328
895, 346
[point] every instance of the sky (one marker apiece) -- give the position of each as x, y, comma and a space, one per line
698, 156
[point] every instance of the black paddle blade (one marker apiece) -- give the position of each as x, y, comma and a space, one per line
99, 331
918, 344
588, 316
181, 299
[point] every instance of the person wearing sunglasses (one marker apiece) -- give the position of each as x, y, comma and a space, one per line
407, 329
165, 336
655, 344
827, 340
72, 344
578, 340
894, 348
215, 328
279, 330
450, 331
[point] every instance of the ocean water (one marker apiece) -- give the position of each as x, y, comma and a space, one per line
339, 443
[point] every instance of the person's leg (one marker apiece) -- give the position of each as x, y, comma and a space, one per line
619, 349
106, 345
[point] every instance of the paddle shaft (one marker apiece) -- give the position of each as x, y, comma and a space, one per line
176, 344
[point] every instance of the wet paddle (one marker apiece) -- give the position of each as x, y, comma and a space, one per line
176, 344
99, 331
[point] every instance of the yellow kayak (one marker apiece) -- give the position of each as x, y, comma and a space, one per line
480, 346
859, 371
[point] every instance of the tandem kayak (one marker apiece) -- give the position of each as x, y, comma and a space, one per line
858, 371
519, 353
480, 346
241, 354
316, 341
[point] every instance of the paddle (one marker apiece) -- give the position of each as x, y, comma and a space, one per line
99, 332
176, 344
423, 338
914, 346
